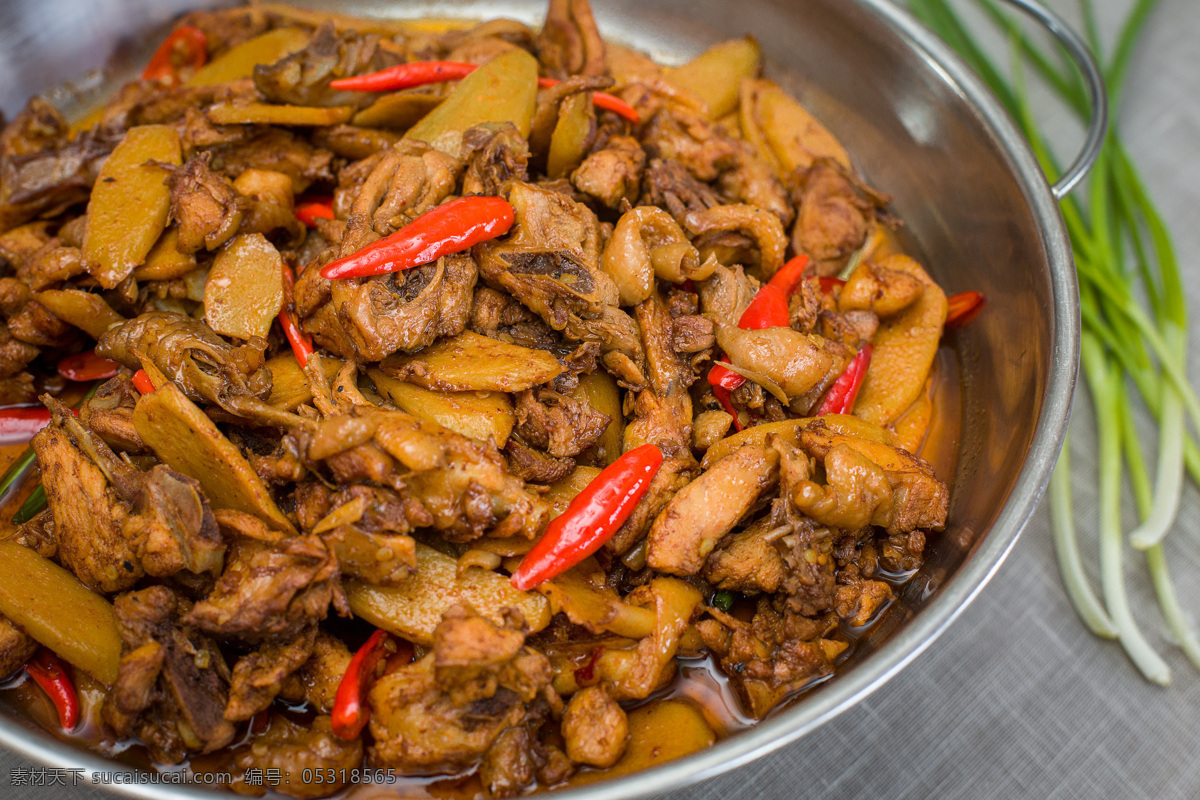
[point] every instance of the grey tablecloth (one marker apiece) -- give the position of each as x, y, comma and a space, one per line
1016, 699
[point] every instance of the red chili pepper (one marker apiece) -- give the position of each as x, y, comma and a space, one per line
301, 342
405, 76
768, 309
841, 396
592, 517
723, 397
87, 367
19, 423
963, 307
187, 46
828, 283
142, 382
310, 211
450, 228
48, 672
420, 73
350, 712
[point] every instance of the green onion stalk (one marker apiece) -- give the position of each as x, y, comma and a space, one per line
1135, 330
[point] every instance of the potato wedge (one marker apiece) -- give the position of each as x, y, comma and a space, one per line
502, 90
480, 415
399, 111
269, 114
52, 606
912, 426
601, 392
187, 441
239, 61
715, 75
164, 262
575, 127
244, 291
289, 384
596, 608
413, 609
659, 732
130, 202
86, 311
783, 131
905, 346
473, 363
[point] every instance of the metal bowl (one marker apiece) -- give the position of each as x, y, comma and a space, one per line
921, 127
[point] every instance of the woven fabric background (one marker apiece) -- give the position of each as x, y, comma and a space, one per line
1017, 700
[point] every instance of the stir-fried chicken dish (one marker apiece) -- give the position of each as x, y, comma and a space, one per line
450, 389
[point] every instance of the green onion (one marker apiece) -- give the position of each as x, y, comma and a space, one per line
1123, 252
722, 600
32, 506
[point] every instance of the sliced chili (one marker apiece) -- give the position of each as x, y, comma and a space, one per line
350, 712
301, 342
450, 228
841, 396
310, 211
963, 307
768, 309
87, 367
48, 672
187, 46
829, 282
592, 517
405, 76
142, 382
19, 423
420, 73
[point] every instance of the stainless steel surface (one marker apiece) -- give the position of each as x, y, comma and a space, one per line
921, 128
1093, 80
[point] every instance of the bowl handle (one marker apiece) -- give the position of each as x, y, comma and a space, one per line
1093, 79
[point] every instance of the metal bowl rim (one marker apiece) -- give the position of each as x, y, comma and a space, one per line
916, 635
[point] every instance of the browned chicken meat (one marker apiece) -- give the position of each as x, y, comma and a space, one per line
444, 433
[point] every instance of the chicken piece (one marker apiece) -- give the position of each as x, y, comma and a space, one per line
303, 77
42, 172
762, 227
673, 475
595, 728
702, 512
562, 426
442, 713
612, 174
685, 135
316, 682
298, 751
270, 590
226, 28
15, 355
494, 155
152, 103
259, 676
16, 647
379, 559
667, 183
771, 656
50, 265
753, 182
535, 466
835, 210
171, 685
570, 43
275, 149
726, 294
873, 287
802, 365
868, 483
859, 602
450, 482
550, 260
422, 179
204, 206
353, 142
204, 366
114, 523
371, 318
748, 561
